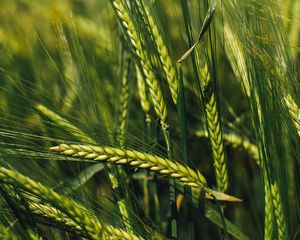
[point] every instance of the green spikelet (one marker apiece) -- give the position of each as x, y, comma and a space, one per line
214, 130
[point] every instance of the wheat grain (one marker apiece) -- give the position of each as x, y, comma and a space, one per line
122, 120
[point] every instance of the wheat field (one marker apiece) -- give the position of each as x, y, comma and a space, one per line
149, 119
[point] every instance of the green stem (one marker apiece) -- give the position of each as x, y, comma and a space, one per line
172, 191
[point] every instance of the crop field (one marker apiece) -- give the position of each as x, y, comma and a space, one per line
149, 119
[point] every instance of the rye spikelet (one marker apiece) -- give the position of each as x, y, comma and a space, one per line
131, 32
168, 64
137, 159
214, 130
73, 210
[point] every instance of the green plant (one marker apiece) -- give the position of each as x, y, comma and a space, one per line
106, 132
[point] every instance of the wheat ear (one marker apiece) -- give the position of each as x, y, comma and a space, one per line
214, 130
79, 214
168, 64
131, 32
294, 111
137, 159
